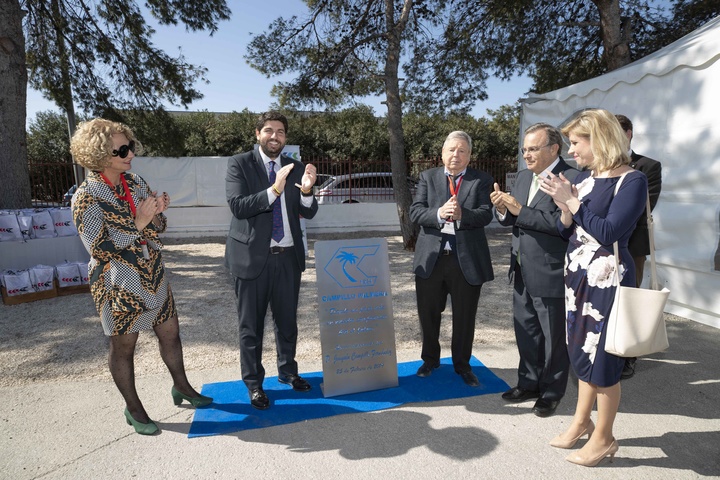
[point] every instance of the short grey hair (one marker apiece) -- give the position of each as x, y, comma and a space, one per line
461, 135
553, 133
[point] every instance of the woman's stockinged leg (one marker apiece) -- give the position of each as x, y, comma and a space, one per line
122, 369
587, 394
608, 403
168, 334
602, 439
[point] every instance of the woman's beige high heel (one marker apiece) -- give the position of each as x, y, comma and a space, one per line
591, 462
560, 443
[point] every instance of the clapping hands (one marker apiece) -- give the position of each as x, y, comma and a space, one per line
504, 202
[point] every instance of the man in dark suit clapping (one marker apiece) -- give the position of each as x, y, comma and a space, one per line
452, 207
639, 243
536, 266
267, 192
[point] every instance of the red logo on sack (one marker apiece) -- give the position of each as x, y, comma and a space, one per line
17, 290
6, 230
62, 224
70, 279
39, 227
43, 284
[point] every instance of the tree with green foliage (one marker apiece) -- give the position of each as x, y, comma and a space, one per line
353, 132
97, 54
342, 50
48, 146
211, 134
555, 43
346, 49
47, 139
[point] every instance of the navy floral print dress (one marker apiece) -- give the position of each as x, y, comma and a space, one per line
604, 217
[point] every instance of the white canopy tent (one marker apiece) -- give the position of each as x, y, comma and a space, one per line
672, 97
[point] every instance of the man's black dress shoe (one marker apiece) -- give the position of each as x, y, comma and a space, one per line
629, 368
426, 369
545, 408
298, 383
517, 394
470, 378
258, 399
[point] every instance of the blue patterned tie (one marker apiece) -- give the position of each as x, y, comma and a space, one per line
278, 232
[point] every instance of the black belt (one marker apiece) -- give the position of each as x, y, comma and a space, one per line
447, 252
276, 250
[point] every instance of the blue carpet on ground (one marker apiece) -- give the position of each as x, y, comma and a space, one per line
231, 410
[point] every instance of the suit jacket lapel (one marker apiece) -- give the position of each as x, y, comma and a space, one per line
523, 188
467, 181
441, 185
261, 169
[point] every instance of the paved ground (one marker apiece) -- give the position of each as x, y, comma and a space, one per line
72, 428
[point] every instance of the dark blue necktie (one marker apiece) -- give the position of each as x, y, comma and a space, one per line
278, 232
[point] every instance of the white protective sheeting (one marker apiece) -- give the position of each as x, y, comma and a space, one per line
196, 186
191, 181
180, 178
672, 98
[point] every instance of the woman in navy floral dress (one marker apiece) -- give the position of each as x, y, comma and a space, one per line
595, 214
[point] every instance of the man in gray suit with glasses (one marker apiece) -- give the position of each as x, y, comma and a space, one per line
536, 269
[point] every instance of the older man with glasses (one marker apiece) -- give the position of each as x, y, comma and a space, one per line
536, 267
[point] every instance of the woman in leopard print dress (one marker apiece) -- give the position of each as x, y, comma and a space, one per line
119, 219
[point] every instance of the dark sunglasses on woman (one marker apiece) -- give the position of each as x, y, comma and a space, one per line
123, 151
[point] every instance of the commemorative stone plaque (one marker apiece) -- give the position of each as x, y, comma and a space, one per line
357, 331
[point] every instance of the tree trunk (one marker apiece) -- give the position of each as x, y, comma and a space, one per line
14, 174
66, 103
396, 136
615, 42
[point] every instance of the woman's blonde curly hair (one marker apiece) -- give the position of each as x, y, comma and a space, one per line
92, 146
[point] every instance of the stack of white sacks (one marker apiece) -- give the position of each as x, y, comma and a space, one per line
27, 225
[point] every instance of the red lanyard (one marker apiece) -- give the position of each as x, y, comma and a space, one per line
453, 189
127, 197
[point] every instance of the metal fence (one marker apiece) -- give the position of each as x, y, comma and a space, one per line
49, 181
339, 180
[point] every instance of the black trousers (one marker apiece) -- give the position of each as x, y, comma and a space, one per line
277, 286
540, 334
447, 278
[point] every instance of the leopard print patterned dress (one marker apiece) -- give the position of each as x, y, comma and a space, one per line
130, 292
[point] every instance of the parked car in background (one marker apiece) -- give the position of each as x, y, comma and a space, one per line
321, 179
68, 196
372, 187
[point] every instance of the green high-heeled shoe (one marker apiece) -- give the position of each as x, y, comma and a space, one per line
197, 402
141, 428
